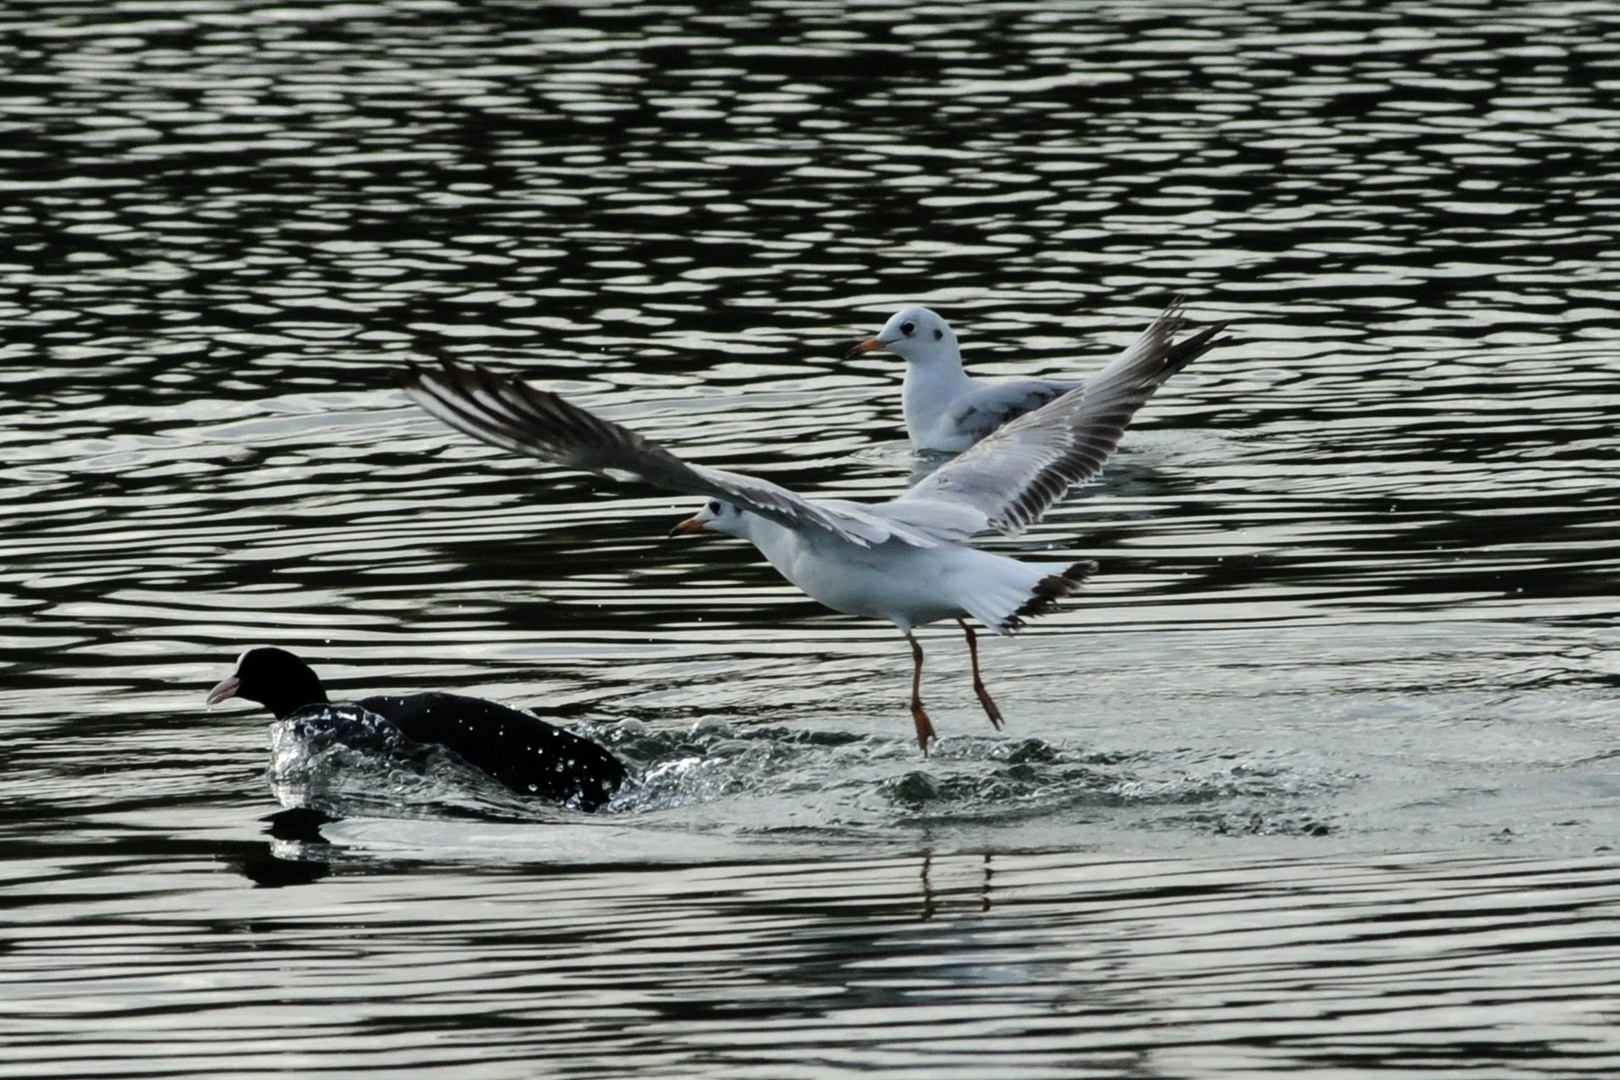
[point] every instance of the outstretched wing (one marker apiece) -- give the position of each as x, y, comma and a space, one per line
1013, 475
515, 416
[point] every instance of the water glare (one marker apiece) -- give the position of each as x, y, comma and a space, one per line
1317, 775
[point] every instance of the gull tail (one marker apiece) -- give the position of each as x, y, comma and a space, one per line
1048, 591
1006, 592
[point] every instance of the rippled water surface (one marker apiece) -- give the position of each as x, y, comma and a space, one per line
1317, 775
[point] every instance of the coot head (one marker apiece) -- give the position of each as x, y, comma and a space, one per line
274, 678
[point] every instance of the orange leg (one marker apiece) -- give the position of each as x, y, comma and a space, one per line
990, 709
925, 726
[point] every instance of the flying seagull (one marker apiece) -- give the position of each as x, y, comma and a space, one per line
905, 561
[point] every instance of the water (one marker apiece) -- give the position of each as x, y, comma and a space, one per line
1317, 775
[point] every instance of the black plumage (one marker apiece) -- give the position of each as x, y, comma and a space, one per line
523, 752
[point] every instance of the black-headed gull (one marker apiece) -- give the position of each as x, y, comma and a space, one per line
947, 409
906, 560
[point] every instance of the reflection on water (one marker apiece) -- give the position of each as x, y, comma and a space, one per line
1356, 588
958, 966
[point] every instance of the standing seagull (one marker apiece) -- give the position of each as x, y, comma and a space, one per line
947, 409
904, 561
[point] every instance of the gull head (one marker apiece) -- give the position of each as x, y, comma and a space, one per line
716, 516
916, 335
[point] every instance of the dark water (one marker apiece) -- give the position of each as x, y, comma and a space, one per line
1318, 775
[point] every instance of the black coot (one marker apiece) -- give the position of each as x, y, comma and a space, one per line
519, 749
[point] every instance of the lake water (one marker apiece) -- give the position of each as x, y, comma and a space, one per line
1318, 774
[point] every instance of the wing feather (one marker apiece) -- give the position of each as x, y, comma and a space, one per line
1015, 474
515, 416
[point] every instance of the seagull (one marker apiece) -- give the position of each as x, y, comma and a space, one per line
523, 752
946, 409
905, 561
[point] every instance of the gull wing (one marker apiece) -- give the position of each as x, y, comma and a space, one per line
1014, 474
515, 416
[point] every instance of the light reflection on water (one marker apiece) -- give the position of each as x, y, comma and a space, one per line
1357, 585
1026, 965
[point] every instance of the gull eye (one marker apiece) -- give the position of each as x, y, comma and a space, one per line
908, 328
938, 333
714, 506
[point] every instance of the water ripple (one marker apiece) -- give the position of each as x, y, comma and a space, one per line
1355, 588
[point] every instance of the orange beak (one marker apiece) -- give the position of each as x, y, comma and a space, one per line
686, 528
871, 344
